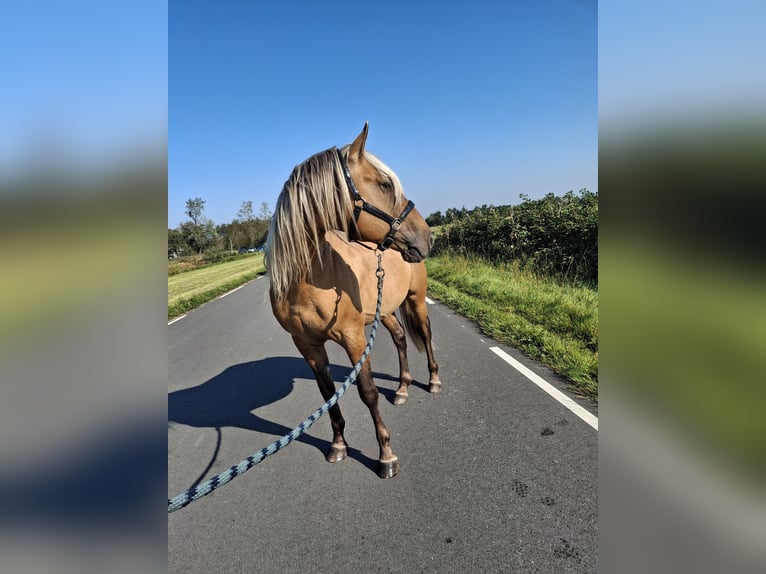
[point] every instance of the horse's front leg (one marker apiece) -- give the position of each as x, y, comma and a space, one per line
316, 357
368, 392
400, 340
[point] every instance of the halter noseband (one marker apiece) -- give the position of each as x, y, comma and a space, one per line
361, 205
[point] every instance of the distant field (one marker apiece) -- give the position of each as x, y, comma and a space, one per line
437, 230
189, 289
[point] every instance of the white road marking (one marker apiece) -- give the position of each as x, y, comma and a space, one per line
585, 415
219, 297
230, 292
429, 301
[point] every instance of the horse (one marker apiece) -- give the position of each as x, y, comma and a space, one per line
337, 213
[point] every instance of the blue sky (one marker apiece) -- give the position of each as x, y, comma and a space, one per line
469, 102
85, 81
685, 61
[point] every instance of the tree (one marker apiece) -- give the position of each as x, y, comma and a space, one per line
247, 223
436, 218
265, 214
245, 213
176, 242
199, 233
194, 209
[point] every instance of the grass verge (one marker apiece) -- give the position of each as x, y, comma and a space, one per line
190, 289
551, 322
686, 335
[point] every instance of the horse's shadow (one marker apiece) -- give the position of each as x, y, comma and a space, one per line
229, 399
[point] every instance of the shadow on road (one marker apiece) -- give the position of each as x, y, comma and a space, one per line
230, 398
106, 481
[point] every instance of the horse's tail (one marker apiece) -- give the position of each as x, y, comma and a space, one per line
410, 319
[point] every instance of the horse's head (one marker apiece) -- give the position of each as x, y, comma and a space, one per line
382, 213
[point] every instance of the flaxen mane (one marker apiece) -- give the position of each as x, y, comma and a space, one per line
314, 200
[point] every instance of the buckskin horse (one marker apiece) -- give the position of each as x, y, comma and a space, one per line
339, 210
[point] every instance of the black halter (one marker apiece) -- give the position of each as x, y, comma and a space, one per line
361, 205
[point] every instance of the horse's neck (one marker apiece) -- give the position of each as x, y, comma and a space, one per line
337, 249
340, 240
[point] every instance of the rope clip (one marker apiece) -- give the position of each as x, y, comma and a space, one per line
380, 273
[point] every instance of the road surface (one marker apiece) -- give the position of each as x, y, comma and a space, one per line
496, 475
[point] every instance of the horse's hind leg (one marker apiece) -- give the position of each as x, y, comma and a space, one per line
368, 392
400, 340
316, 357
434, 382
420, 310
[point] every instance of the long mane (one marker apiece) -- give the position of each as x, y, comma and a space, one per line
315, 199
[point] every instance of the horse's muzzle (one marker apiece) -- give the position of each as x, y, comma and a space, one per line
414, 252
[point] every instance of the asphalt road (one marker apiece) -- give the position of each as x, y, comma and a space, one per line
496, 476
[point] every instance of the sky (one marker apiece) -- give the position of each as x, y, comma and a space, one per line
82, 82
470, 103
686, 61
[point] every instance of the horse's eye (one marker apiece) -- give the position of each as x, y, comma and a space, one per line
387, 184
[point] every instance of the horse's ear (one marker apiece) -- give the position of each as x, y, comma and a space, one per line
357, 146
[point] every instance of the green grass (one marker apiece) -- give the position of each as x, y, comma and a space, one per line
190, 289
53, 272
552, 322
198, 261
685, 336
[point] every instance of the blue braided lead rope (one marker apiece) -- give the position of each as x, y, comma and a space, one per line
197, 492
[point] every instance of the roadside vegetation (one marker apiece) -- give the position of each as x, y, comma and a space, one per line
190, 288
206, 260
551, 321
684, 284
556, 236
191, 262
695, 344
200, 235
528, 275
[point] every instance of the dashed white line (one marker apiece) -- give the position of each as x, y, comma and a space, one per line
585, 415
230, 292
429, 301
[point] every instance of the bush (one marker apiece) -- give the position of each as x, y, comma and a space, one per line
552, 236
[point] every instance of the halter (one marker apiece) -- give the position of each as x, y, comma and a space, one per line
360, 205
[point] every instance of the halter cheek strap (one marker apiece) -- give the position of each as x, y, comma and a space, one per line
360, 205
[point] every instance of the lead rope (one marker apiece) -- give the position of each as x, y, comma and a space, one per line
197, 492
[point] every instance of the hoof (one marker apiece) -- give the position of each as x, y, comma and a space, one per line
434, 387
337, 454
400, 399
389, 469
